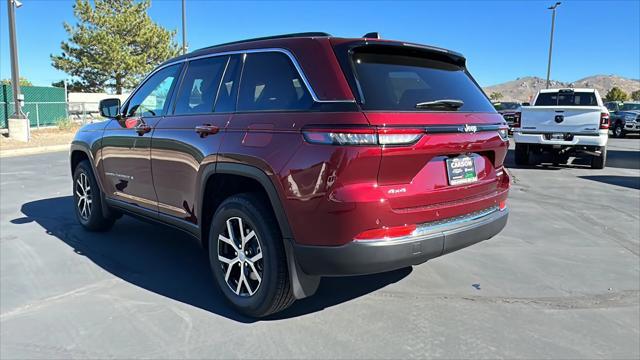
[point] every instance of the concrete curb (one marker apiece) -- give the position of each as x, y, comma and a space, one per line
33, 150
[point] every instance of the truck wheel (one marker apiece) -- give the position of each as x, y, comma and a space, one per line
522, 154
247, 256
618, 130
598, 162
87, 200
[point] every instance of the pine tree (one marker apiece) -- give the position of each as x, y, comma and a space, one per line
113, 45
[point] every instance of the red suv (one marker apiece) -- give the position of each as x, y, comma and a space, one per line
300, 156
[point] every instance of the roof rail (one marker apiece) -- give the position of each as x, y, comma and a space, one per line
283, 36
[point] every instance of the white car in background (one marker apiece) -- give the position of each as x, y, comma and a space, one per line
564, 123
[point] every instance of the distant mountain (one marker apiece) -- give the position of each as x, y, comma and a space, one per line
523, 89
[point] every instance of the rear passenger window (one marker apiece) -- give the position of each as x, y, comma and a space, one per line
229, 88
271, 82
200, 86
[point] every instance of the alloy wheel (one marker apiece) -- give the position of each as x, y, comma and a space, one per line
84, 196
240, 255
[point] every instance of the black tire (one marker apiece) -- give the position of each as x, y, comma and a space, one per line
273, 293
599, 162
618, 130
522, 154
87, 200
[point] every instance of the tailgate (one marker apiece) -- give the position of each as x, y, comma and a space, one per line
421, 169
430, 92
553, 119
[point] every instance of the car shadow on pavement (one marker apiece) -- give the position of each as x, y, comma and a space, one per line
631, 182
172, 264
615, 159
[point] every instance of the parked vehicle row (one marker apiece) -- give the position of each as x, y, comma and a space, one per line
300, 156
625, 118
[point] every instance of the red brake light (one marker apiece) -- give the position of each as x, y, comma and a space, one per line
516, 119
502, 205
604, 121
386, 233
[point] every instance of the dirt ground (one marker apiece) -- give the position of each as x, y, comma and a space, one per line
41, 137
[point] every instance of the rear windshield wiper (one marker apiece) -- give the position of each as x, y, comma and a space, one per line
449, 104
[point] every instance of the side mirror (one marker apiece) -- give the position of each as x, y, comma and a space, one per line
110, 108
526, 104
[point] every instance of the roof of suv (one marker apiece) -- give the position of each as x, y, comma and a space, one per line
313, 53
285, 39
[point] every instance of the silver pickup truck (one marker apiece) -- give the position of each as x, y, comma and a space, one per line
564, 123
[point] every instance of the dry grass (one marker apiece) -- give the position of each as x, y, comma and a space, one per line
42, 137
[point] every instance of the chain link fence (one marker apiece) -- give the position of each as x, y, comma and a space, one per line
50, 106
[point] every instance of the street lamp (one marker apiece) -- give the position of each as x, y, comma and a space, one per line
18, 123
553, 21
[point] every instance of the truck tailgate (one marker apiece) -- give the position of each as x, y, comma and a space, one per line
570, 119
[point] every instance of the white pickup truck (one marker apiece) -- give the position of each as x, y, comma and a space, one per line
564, 123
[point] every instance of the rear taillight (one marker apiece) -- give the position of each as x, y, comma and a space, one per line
362, 135
386, 233
516, 119
504, 133
604, 121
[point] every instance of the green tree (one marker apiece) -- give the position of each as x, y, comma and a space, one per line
22, 82
636, 95
73, 86
495, 96
616, 94
113, 45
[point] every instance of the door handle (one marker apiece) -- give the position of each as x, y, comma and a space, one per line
143, 129
207, 129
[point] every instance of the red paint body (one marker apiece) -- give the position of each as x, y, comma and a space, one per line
329, 193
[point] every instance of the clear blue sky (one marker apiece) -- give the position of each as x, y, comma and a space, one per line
501, 39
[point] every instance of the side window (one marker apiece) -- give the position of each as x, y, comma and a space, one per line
152, 97
271, 82
229, 88
200, 86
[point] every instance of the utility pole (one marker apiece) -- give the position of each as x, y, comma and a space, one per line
184, 27
553, 21
18, 123
13, 48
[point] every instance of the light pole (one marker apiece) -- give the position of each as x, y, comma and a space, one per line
553, 21
13, 48
17, 123
184, 27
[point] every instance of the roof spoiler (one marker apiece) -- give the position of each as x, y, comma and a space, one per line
372, 35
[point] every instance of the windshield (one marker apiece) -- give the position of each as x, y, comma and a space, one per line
506, 106
630, 106
398, 82
569, 98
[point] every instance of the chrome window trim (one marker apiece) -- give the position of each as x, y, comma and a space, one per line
244, 52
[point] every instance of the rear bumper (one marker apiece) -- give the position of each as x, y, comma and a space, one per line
599, 139
430, 240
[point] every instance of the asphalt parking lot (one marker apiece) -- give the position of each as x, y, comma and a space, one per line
561, 281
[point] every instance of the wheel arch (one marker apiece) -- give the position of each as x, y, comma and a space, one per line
248, 172
79, 152
303, 285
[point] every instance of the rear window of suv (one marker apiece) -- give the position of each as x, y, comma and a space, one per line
397, 82
567, 99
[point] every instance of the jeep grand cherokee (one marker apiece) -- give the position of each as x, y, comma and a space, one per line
300, 156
